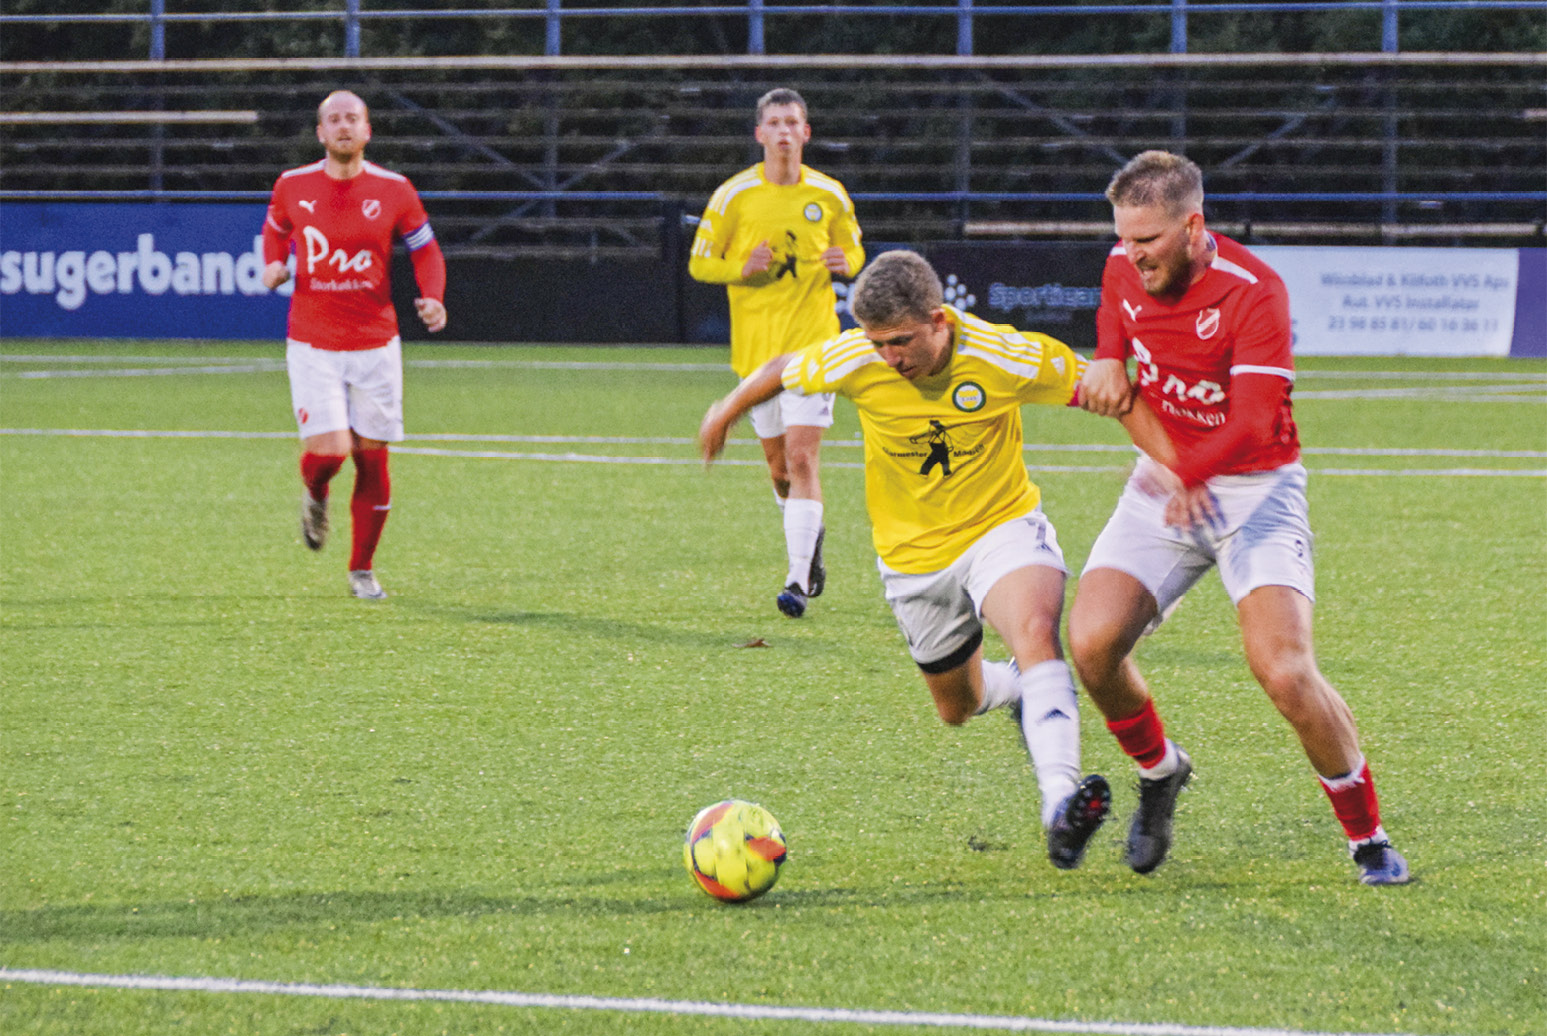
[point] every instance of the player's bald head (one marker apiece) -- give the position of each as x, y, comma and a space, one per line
342, 99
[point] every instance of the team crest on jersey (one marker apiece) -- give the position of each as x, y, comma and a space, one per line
371, 207
968, 397
1208, 323
813, 212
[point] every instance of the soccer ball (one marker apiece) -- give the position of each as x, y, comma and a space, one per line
734, 850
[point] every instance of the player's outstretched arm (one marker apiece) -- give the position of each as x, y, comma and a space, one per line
1147, 433
760, 386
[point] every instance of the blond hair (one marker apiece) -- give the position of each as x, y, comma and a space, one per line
1158, 178
896, 287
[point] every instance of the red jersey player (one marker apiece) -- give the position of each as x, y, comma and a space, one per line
343, 352
1207, 325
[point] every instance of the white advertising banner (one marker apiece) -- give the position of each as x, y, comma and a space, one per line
1347, 301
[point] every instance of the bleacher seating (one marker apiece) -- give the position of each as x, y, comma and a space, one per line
586, 159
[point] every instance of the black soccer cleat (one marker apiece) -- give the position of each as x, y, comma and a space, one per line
1149, 836
792, 601
1077, 819
1380, 864
817, 578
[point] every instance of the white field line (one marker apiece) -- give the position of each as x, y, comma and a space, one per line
594, 440
1527, 376
1509, 386
638, 1005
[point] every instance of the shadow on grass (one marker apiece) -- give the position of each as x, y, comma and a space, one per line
623, 631
328, 911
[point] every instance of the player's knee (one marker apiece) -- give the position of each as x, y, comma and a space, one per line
1093, 646
801, 467
1294, 685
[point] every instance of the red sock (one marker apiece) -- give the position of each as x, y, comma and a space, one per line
1142, 735
1354, 802
369, 506
317, 470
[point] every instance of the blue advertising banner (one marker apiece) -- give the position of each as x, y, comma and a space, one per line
135, 271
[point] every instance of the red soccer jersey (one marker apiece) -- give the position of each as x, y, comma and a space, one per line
1216, 366
343, 232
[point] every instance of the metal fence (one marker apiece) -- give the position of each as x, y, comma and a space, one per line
576, 156
346, 23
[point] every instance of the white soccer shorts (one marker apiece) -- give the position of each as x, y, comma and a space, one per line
771, 418
941, 613
331, 391
1263, 538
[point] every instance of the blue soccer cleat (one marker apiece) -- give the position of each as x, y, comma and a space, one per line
792, 601
1380, 864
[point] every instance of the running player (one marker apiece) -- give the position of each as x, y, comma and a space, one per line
343, 353
1207, 324
957, 524
776, 235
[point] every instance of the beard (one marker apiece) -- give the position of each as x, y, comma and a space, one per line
1167, 277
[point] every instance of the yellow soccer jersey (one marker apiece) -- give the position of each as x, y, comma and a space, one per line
943, 459
790, 305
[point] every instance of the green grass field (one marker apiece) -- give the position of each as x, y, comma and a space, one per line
219, 766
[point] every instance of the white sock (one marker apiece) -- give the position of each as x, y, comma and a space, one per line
1050, 722
779, 500
1166, 767
802, 524
1001, 686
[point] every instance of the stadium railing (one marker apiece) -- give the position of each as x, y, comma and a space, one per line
351, 17
606, 156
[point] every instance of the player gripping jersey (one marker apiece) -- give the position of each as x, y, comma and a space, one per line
1207, 326
1215, 364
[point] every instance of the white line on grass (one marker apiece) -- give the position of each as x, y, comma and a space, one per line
683, 365
593, 458
232, 367
646, 1005
683, 440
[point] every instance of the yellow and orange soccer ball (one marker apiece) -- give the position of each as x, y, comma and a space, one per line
734, 850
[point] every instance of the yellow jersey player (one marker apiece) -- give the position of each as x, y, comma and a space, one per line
957, 524
776, 235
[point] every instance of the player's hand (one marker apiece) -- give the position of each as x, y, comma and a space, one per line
1192, 508
432, 312
836, 262
758, 262
712, 432
1104, 388
275, 274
